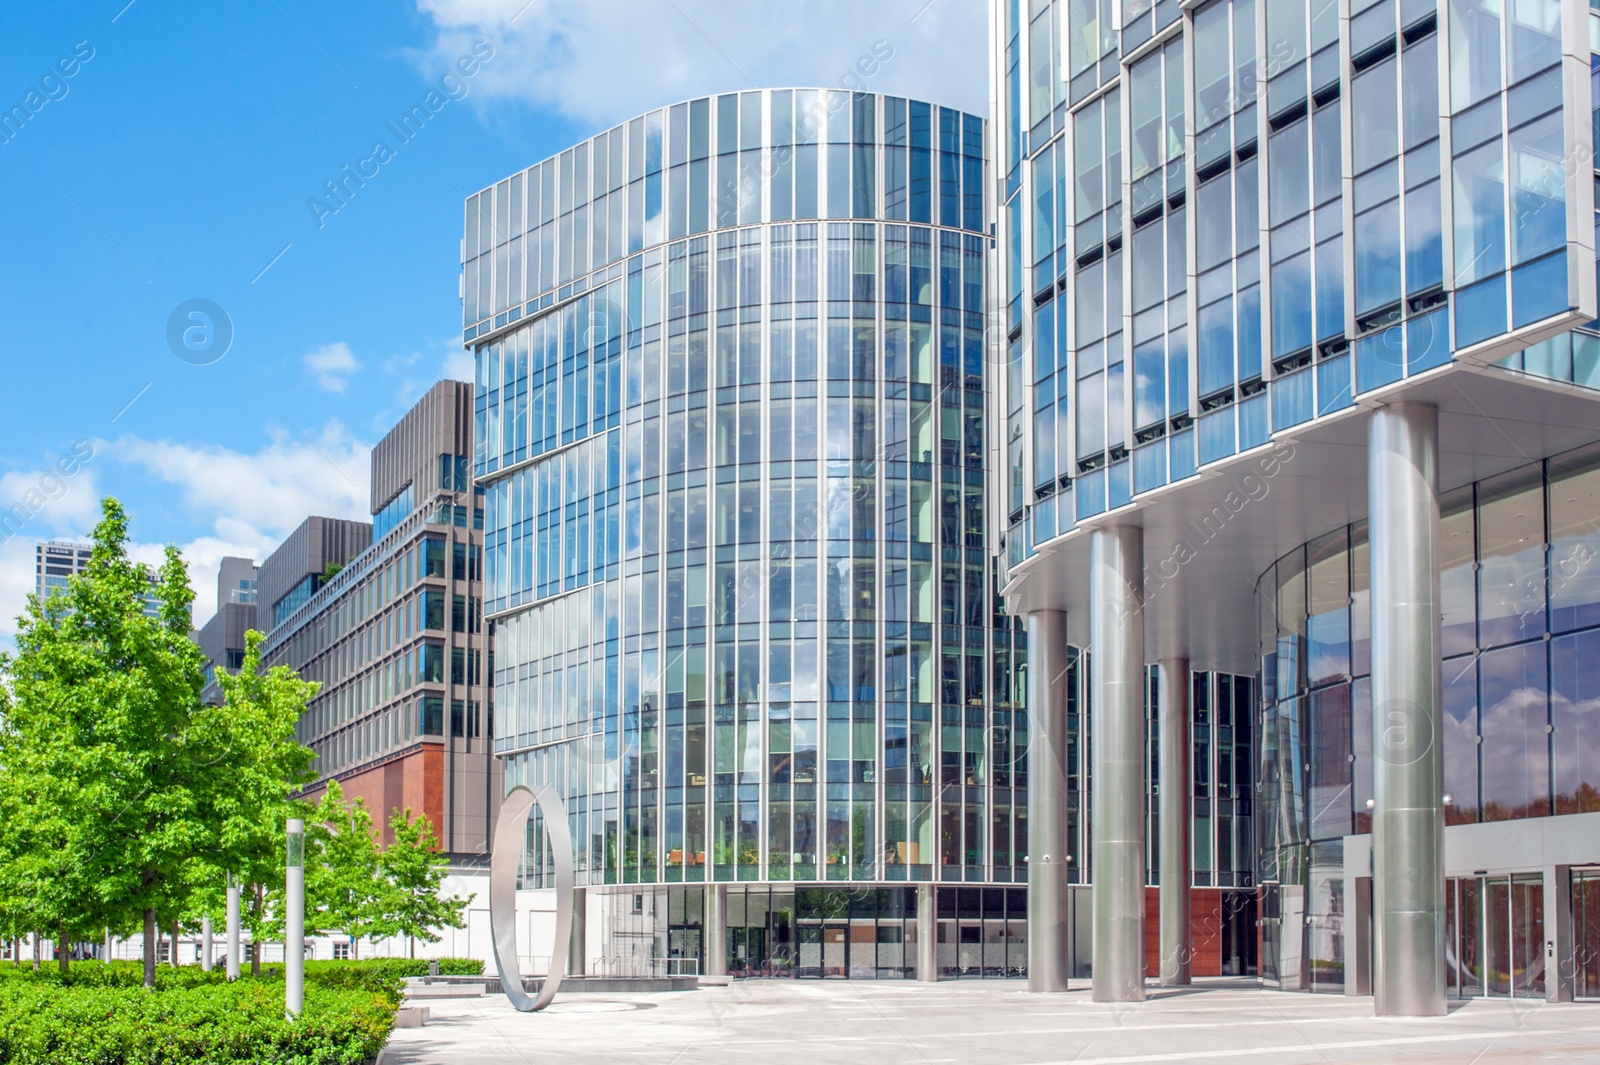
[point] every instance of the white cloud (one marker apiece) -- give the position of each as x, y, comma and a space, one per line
56, 502
271, 490
332, 364
601, 61
253, 500
250, 500
457, 366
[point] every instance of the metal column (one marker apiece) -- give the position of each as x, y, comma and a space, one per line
1049, 946
1176, 802
1408, 974
715, 931
1560, 970
927, 933
578, 949
233, 928
1116, 809
205, 943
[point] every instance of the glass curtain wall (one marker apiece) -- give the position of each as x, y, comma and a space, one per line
1521, 639
1194, 256
732, 435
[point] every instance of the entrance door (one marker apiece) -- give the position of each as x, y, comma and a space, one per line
834, 962
1586, 933
1494, 936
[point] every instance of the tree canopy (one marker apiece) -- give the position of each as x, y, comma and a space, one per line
126, 801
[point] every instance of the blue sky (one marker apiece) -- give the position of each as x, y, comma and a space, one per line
178, 162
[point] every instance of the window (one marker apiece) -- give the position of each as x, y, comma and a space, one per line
1289, 179
1539, 197
1516, 744
341, 952
1480, 213
430, 716
1474, 52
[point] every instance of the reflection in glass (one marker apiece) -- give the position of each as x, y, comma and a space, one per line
1511, 558
1575, 716
1480, 213
1516, 741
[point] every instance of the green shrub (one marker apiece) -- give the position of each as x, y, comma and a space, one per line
99, 1015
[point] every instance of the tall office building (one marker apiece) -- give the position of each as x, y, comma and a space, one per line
388, 618
730, 422
1302, 382
222, 638
57, 561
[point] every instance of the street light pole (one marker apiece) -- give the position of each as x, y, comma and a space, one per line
233, 927
294, 924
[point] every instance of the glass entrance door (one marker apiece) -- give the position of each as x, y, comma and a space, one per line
1494, 936
1586, 933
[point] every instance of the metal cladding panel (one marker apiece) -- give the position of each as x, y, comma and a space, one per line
309, 549
440, 424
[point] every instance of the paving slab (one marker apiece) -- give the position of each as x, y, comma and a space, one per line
779, 1022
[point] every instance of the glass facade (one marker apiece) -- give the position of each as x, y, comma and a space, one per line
1521, 714
731, 429
1221, 221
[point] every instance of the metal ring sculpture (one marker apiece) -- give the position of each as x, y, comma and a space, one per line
509, 837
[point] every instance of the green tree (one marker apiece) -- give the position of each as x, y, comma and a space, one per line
104, 766
254, 795
414, 870
344, 882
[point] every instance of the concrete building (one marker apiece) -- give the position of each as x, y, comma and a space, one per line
222, 638
1302, 382
388, 617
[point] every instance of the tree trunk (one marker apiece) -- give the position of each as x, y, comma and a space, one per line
38, 951
355, 949
255, 916
150, 937
173, 957
63, 952
413, 941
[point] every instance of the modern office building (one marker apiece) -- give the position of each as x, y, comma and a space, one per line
388, 618
1302, 383
57, 561
222, 638
730, 423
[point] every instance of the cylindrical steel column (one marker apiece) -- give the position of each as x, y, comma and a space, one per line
205, 943
1176, 800
1116, 736
233, 928
715, 931
294, 919
1048, 845
1408, 764
578, 950
927, 933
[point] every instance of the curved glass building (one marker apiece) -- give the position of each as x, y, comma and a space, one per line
1300, 356
1520, 726
730, 406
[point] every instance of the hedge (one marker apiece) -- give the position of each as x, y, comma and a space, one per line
100, 1015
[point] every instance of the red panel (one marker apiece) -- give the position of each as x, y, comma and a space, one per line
1205, 932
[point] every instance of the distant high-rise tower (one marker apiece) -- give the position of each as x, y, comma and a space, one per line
57, 561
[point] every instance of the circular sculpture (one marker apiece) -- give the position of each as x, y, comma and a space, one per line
509, 836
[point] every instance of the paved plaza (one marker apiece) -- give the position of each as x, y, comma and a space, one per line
773, 1022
